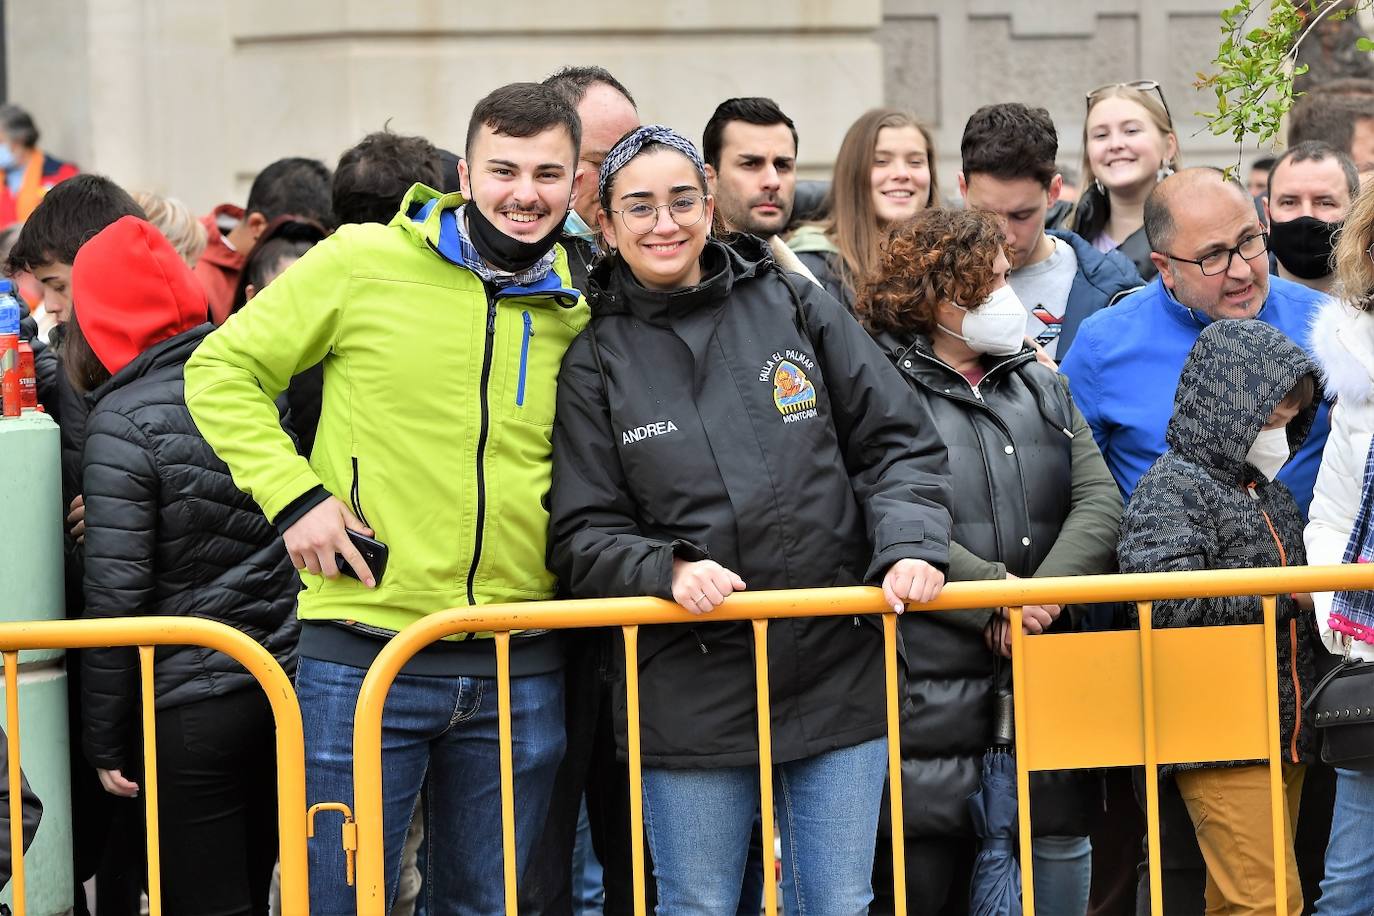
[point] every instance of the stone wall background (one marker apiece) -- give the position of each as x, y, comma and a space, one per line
192, 97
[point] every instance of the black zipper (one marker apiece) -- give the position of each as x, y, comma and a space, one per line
354, 498
488, 349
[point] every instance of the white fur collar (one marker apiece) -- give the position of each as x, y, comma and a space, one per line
1343, 342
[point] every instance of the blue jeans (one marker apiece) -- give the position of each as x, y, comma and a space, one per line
698, 824
1348, 887
444, 728
1063, 874
588, 893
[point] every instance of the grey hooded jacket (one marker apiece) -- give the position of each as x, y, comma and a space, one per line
1202, 505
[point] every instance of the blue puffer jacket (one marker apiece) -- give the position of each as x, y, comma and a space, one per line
1102, 277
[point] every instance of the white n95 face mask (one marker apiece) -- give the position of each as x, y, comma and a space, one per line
1270, 451
997, 327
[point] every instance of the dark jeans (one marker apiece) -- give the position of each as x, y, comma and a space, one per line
589, 766
217, 804
107, 832
938, 872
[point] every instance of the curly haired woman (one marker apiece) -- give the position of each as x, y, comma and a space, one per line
1034, 498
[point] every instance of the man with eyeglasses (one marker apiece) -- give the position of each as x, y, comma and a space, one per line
1213, 260
607, 112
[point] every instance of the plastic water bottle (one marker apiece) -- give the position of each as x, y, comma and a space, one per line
10, 388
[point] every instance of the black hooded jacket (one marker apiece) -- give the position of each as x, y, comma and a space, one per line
750, 420
1202, 505
168, 533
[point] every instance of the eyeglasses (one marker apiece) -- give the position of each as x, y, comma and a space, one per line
686, 210
1137, 85
1219, 262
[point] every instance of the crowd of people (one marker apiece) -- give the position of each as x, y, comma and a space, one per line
589, 358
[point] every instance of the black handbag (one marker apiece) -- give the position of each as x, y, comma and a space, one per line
1342, 709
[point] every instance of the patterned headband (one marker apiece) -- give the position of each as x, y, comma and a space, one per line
631, 144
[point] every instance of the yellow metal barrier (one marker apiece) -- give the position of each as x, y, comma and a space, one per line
1136, 697
145, 633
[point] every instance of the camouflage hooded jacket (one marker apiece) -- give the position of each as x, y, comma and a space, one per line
1202, 505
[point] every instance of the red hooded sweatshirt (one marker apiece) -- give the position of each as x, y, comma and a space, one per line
219, 266
131, 290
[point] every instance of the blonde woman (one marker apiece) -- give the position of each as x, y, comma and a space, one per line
176, 223
1129, 146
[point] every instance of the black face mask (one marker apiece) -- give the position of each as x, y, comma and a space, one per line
503, 252
1303, 246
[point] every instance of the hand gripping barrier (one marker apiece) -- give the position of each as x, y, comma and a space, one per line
146, 633
1146, 697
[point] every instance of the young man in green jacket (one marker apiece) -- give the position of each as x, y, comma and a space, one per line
441, 336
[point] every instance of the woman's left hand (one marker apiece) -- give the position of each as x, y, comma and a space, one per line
1038, 618
911, 580
113, 781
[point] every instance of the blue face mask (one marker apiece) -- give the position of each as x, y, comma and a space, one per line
7, 160
577, 227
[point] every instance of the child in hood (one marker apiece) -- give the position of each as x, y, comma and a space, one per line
1246, 400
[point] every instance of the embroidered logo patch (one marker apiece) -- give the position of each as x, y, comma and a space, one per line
794, 395
792, 390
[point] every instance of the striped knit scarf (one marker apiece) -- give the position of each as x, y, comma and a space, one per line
1352, 613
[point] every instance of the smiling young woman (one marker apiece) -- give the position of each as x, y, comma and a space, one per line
884, 176
1129, 145
722, 423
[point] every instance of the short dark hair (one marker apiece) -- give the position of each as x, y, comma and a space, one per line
523, 110
285, 237
1264, 163
1317, 151
294, 186
572, 83
17, 124
374, 175
1009, 141
69, 215
751, 110
1329, 113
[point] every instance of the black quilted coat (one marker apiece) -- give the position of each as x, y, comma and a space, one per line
168, 533
1030, 500
1203, 506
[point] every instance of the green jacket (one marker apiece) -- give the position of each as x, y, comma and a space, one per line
436, 418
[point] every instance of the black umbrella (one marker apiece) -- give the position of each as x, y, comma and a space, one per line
996, 886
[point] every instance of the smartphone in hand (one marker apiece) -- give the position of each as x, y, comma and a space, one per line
374, 553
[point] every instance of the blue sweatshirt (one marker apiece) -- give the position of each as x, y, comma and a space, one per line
1124, 366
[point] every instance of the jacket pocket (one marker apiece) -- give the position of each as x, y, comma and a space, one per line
526, 334
532, 354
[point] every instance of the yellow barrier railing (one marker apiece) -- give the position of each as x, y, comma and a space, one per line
146, 633
1142, 674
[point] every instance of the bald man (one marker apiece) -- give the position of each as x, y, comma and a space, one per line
1213, 260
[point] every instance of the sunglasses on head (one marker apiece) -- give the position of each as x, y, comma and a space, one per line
1139, 86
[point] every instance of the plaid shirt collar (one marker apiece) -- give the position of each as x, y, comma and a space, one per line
473, 261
